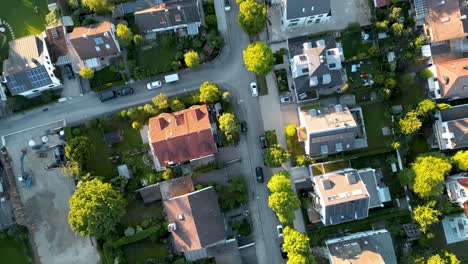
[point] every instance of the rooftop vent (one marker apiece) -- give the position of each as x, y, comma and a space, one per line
356, 192
54, 33
171, 227
179, 7
327, 184
180, 217
351, 178
177, 18
303, 10
313, 112
465, 67
445, 19
307, 45
84, 36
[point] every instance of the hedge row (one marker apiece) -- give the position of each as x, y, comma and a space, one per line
107, 85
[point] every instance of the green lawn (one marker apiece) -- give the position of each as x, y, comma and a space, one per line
13, 252
141, 251
322, 168
412, 92
157, 59
418, 145
132, 137
105, 76
352, 45
23, 20
137, 212
375, 121
368, 66
100, 165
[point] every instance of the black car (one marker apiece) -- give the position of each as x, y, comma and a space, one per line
107, 95
259, 174
243, 126
284, 254
69, 72
263, 141
125, 91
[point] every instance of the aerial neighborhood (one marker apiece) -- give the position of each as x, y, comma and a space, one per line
234, 131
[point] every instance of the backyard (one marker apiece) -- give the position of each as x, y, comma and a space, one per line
23, 20
374, 118
366, 67
140, 251
281, 80
322, 168
13, 251
412, 92
353, 46
439, 242
103, 77
157, 58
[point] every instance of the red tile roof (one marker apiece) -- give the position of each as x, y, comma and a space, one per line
382, 3
465, 206
463, 181
452, 76
84, 40
182, 135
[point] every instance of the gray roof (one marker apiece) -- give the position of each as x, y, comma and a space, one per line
306, 8
457, 122
454, 113
348, 211
150, 193
134, 6
169, 14
368, 177
378, 244
176, 187
225, 253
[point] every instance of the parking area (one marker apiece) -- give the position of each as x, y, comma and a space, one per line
71, 87
46, 199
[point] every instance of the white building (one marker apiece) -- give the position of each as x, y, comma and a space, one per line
455, 228
28, 69
457, 190
451, 127
296, 13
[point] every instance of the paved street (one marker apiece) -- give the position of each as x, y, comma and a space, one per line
228, 71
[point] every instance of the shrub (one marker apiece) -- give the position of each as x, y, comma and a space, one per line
76, 132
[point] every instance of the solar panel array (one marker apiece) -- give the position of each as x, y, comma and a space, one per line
16, 85
420, 7
38, 77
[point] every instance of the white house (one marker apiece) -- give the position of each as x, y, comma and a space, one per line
296, 13
451, 127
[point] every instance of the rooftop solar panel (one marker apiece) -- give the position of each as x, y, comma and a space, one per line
38, 77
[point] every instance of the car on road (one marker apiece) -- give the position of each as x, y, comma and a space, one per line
253, 87
125, 91
284, 254
286, 99
154, 85
259, 174
263, 141
243, 125
279, 230
227, 5
107, 95
69, 72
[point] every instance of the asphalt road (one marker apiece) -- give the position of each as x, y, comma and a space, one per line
228, 71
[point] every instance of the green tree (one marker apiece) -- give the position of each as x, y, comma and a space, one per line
226, 96
276, 155
397, 29
124, 34
382, 25
252, 16
230, 126
296, 245
410, 123
80, 150
72, 168
137, 125
395, 13
176, 105
461, 160
168, 174
279, 182
209, 92
425, 107
87, 73
97, 6
444, 257
95, 209
426, 215
192, 59
150, 109
429, 174
52, 19
161, 101
284, 204
443, 106
138, 40
426, 74
290, 130
258, 58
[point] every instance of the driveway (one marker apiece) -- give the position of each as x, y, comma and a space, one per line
47, 203
70, 87
343, 13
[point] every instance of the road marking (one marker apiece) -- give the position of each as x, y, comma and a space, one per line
34, 127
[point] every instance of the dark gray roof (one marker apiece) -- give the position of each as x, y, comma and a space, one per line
454, 113
347, 211
28, 80
225, 253
150, 193
368, 177
169, 14
306, 8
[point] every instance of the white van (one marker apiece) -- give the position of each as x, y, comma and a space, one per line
171, 78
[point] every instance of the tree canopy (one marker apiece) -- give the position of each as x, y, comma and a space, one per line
95, 208
290, 130
426, 74
124, 34
410, 123
97, 6
275, 155
443, 258
87, 73
258, 58
192, 59
161, 101
252, 16
176, 105
209, 92
284, 204
296, 245
279, 182
426, 215
461, 160
230, 126
429, 174
425, 107
80, 150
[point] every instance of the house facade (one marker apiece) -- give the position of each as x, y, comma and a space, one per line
374, 246
92, 46
28, 70
451, 127
331, 130
297, 13
347, 195
457, 190
182, 136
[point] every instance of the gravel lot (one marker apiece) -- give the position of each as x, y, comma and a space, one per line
47, 201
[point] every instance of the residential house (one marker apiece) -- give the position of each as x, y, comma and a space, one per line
166, 190
374, 246
451, 127
92, 46
195, 222
457, 190
455, 228
28, 69
315, 66
450, 80
182, 136
382, 3
159, 16
296, 13
443, 20
56, 40
347, 195
330, 130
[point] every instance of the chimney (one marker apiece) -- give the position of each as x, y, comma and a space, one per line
178, 7
180, 216
84, 36
171, 227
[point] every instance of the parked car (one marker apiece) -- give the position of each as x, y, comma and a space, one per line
287, 99
259, 174
302, 96
227, 5
107, 95
279, 230
284, 254
154, 85
253, 87
69, 72
171, 78
263, 141
125, 91
243, 125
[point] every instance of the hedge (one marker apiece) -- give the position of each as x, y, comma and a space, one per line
137, 237
107, 85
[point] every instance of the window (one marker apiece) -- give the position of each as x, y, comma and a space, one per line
98, 41
305, 70
294, 20
310, 21
35, 91
51, 75
317, 20
293, 24
98, 48
47, 57
108, 46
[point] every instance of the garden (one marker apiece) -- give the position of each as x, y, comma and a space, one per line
326, 167
361, 72
108, 76
281, 80
353, 45
14, 245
